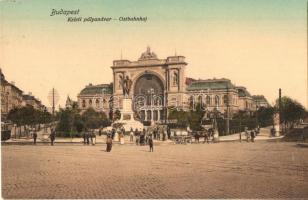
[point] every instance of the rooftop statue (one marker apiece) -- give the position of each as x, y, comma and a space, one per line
148, 55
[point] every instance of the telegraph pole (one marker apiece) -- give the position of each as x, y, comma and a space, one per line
53, 101
280, 109
228, 113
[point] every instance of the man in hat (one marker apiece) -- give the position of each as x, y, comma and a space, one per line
52, 136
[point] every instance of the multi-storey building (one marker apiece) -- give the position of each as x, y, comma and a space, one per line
97, 97
246, 102
158, 84
30, 100
11, 96
260, 101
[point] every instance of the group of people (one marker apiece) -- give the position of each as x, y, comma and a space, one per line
156, 133
89, 137
52, 136
142, 138
250, 134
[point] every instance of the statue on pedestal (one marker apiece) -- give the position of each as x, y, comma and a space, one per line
126, 84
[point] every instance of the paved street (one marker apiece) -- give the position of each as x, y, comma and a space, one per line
265, 169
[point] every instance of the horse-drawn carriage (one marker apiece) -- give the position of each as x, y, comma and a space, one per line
181, 136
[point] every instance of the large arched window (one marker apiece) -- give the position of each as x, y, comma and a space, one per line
208, 100
90, 102
200, 100
191, 102
175, 78
104, 102
97, 103
217, 100
83, 103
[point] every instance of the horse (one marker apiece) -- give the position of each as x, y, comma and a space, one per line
208, 135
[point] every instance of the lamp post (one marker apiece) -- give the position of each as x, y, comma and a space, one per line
151, 91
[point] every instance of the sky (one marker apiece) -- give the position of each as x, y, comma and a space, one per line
261, 45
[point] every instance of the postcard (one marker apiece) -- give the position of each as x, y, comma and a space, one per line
190, 99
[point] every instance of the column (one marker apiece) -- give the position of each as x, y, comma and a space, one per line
145, 115
158, 115
152, 115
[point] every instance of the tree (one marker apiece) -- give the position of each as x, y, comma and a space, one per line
180, 116
265, 116
27, 115
93, 119
117, 115
291, 111
66, 120
184, 118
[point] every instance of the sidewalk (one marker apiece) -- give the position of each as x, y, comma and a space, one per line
99, 140
262, 136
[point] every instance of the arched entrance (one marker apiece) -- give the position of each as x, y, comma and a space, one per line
149, 98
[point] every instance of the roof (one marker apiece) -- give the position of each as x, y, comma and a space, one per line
243, 92
189, 80
97, 89
149, 58
260, 98
28, 97
215, 84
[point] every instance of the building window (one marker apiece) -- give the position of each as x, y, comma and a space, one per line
191, 102
83, 103
200, 100
90, 102
175, 78
97, 103
225, 99
217, 101
208, 100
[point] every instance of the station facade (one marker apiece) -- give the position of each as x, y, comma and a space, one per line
159, 84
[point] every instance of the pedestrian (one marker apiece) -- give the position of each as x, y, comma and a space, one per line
252, 135
164, 135
158, 134
131, 139
84, 137
247, 134
196, 137
52, 136
122, 137
87, 137
137, 136
155, 133
109, 143
240, 134
93, 138
112, 133
99, 131
144, 136
168, 132
34, 137
151, 143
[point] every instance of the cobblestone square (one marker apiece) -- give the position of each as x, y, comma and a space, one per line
222, 170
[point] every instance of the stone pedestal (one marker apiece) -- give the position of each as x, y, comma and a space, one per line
127, 116
277, 128
216, 135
